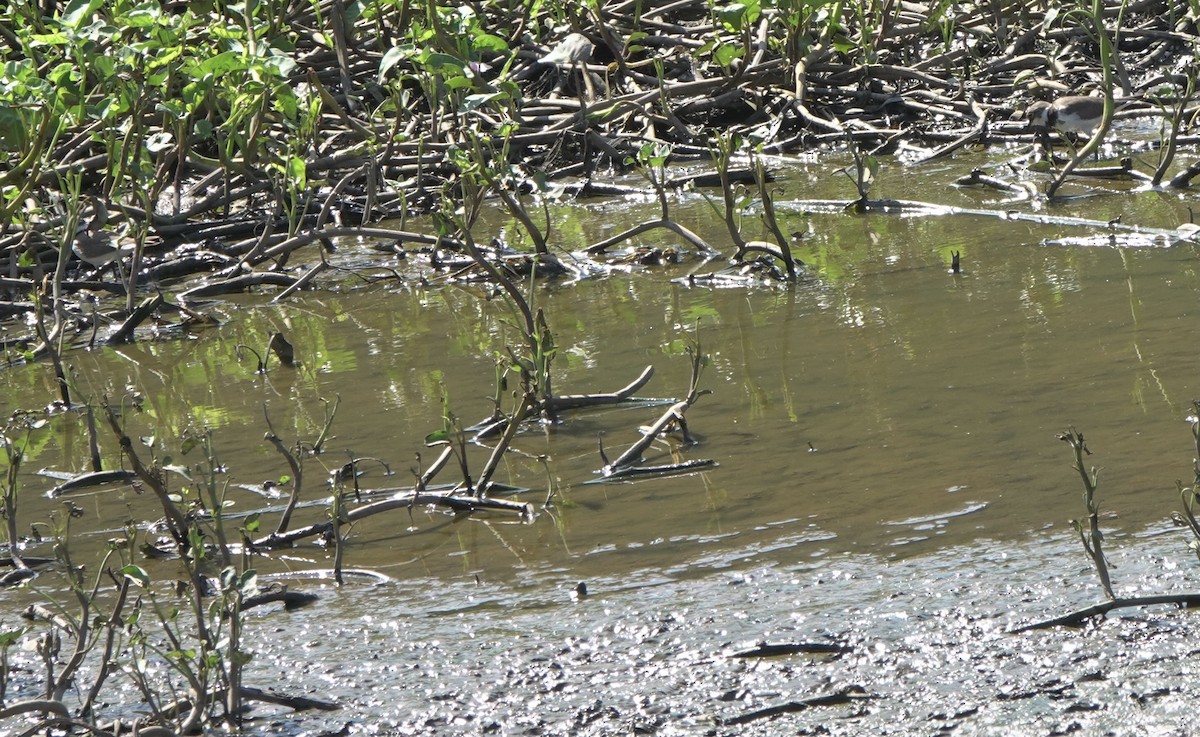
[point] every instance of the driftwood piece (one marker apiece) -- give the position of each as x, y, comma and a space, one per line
1080, 616
236, 284
88, 480
633, 454
847, 695
774, 650
291, 600
298, 703
146, 308
599, 248
553, 405
402, 499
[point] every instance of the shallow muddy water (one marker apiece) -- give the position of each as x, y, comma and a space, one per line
889, 478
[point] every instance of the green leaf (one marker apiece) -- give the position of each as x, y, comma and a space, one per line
489, 42
457, 83
440, 437
444, 64
297, 169
219, 65
248, 582
137, 575
726, 54
79, 13
8, 638
394, 56
474, 102
183, 471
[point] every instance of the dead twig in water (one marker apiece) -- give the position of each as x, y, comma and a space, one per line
847, 695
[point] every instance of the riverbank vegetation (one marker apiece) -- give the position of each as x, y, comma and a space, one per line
229, 138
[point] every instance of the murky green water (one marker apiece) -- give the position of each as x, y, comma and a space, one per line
883, 415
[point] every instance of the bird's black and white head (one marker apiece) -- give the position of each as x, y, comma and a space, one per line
1040, 115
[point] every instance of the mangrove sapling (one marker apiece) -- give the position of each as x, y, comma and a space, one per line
527, 399
219, 659
1089, 529
784, 252
81, 627
651, 162
1190, 495
1176, 106
8, 638
1092, 539
1096, 27
454, 438
14, 454
866, 169
151, 476
498, 175
113, 629
337, 518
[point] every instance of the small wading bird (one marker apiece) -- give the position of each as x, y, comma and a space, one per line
99, 247
1073, 114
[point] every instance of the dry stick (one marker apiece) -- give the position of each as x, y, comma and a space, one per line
298, 703
634, 453
434, 468
45, 706
125, 333
177, 523
929, 209
116, 623
302, 281
93, 441
237, 284
341, 41
336, 192
956, 144
1079, 616
510, 431
297, 475
847, 695
304, 239
671, 225
554, 405
575, 401
1185, 177
674, 414
405, 499
335, 529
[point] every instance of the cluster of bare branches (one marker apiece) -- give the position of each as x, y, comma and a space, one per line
388, 115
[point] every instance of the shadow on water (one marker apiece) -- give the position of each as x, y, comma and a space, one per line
889, 479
